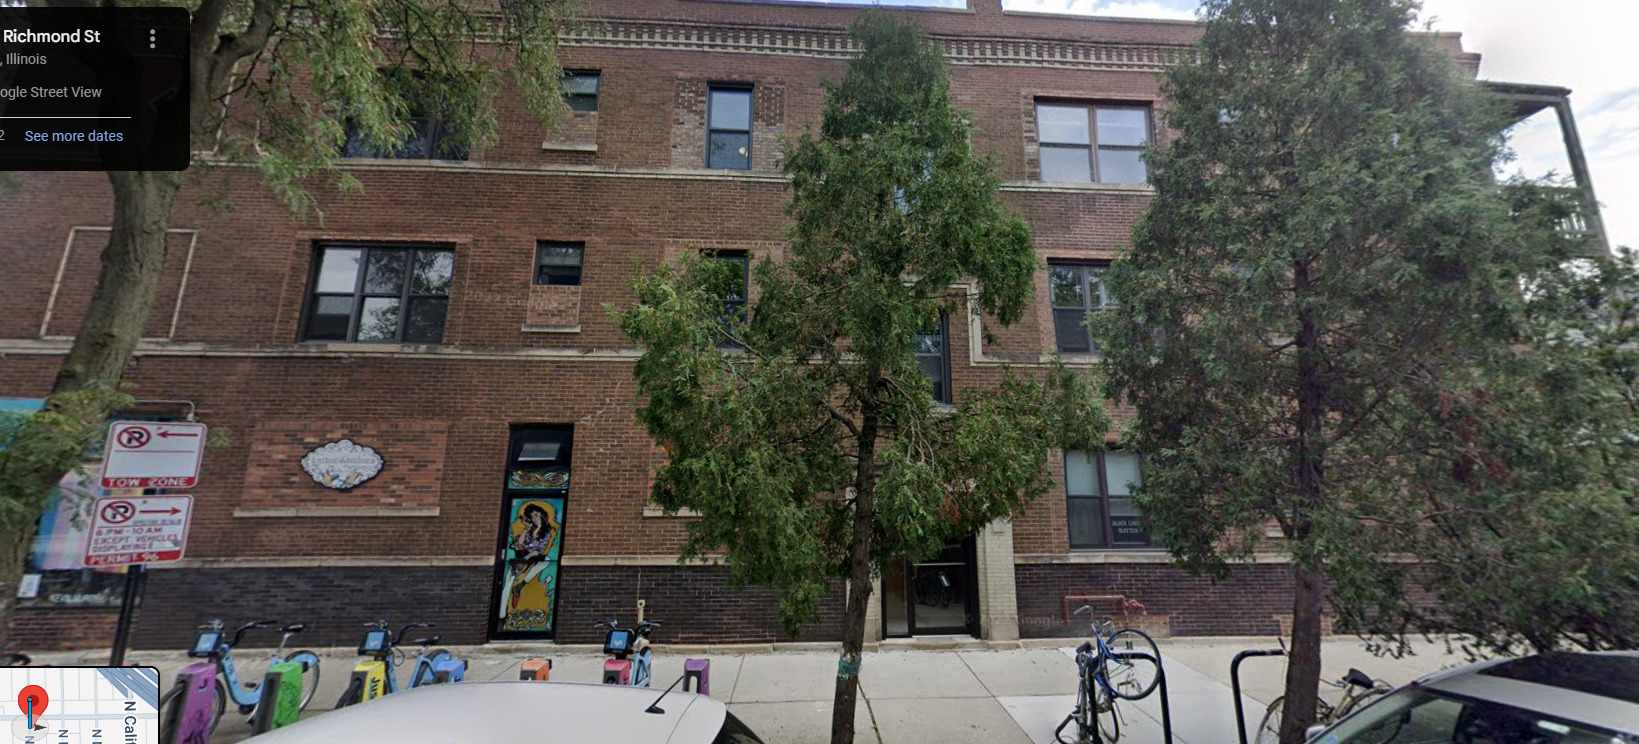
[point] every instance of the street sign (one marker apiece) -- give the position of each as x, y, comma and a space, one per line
147, 454
149, 529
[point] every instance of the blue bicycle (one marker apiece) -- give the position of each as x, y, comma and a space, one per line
1112, 665
631, 652
377, 675
209, 644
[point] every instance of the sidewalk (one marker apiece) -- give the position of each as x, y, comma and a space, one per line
908, 696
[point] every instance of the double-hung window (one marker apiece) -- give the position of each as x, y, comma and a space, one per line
580, 89
933, 356
1102, 144
558, 264
1098, 487
380, 293
731, 280
728, 127
1075, 291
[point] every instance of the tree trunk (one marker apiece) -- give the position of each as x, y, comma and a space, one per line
131, 267
1309, 471
1303, 661
859, 573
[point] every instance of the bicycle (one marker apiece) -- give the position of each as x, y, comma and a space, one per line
1108, 667
933, 589
379, 676
1358, 689
631, 651
208, 645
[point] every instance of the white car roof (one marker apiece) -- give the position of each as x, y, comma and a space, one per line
555, 712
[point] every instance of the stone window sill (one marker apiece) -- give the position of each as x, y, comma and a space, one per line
334, 511
550, 328
655, 511
551, 146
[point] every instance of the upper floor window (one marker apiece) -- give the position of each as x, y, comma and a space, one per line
933, 356
1086, 143
380, 293
580, 89
1099, 486
732, 283
1075, 291
426, 138
558, 263
728, 127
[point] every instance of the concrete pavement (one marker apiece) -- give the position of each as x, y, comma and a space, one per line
970, 694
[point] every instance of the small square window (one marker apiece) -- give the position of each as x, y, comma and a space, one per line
580, 89
558, 264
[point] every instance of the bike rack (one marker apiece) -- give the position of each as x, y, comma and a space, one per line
1235, 683
1160, 687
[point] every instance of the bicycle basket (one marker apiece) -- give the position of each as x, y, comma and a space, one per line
619, 641
374, 642
205, 644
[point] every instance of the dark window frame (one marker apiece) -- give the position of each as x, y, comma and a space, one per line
1093, 146
572, 99
732, 308
405, 296
1106, 529
1087, 271
751, 114
942, 395
554, 271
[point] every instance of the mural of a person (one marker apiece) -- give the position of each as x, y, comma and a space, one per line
534, 535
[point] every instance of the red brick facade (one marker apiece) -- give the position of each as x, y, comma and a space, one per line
630, 182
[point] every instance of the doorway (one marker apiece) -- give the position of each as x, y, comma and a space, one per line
936, 596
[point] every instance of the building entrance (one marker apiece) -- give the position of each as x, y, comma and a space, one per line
938, 596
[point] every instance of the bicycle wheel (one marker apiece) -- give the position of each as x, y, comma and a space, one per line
1131, 679
310, 674
353, 695
220, 703
1109, 719
1269, 730
430, 676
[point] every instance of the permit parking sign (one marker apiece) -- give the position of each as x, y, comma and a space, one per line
148, 454
148, 529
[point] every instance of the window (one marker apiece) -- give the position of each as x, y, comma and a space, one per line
426, 139
1075, 291
380, 293
731, 284
728, 128
1098, 487
1092, 143
580, 89
558, 264
933, 356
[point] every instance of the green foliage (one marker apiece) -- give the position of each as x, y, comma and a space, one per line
37, 448
892, 215
1322, 322
335, 64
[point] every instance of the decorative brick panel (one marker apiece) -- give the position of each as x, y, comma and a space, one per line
768, 117
578, 132
412, 473
553, 306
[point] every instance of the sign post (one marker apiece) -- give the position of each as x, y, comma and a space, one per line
135, 532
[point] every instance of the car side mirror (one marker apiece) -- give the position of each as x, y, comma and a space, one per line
1313, 731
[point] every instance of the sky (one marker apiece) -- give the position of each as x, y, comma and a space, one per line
1584, 45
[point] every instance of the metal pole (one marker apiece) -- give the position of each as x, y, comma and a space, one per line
1161, 687
1235, 684
135, 580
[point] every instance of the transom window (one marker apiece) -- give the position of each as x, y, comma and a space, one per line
380, 293
1087, 143
558, 264
1075, 291
580, 89
1098, 487
933, 356
728, 127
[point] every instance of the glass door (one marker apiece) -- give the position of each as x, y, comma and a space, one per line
937, 596
530, 542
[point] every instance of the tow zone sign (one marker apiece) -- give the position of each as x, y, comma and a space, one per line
149, 529
145, 454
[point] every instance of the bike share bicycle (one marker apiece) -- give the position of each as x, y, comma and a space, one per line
1108, 667
218, 672
1359, 689
631, 651
378, 675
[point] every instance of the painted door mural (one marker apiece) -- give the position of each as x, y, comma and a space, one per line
531, 535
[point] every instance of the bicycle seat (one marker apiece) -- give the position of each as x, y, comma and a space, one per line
1359, 679
294, 628
425, 641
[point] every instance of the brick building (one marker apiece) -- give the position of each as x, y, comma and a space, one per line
425, 414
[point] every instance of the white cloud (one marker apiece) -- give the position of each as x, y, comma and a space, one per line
1181, 10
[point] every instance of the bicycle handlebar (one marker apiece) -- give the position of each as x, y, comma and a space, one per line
400, 637
239, 634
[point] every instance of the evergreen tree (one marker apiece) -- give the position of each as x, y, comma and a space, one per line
1322, 307
811, 447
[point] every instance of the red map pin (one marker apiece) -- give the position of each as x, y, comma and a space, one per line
32, 694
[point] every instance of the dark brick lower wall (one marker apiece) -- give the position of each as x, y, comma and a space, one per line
1244, 604
696, 604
